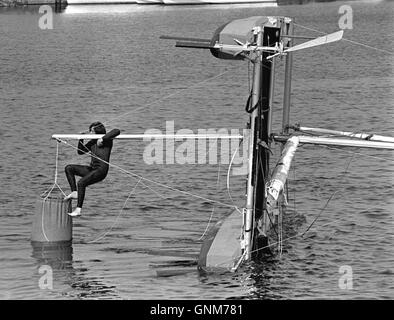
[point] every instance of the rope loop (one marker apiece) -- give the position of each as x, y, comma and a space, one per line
47, 193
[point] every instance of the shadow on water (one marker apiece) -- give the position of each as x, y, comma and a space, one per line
74, 282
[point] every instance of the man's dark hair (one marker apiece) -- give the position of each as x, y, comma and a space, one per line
98, 127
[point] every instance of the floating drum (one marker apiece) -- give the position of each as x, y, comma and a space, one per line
51, 222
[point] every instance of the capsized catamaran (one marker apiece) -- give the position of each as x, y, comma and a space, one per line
245, 234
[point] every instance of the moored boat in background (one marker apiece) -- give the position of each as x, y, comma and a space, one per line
82, 2
149, 1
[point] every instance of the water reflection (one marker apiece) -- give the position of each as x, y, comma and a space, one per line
73, 281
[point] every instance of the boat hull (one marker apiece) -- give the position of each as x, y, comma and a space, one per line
170, 2
221, 249
200, 2
177, 2
149, 1
237, 1
72, 2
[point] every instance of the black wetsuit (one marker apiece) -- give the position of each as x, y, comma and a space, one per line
97, 170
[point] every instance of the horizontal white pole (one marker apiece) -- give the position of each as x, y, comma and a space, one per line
360, 135
148, 136
235, 47
340, 142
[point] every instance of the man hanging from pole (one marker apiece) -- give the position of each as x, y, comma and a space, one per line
100, 149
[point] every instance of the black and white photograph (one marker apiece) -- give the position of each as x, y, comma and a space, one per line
208, 151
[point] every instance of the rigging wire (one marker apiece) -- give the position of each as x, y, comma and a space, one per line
228, 176
128, 172
55, 184
217, 186
178, 92
347, 167
360, 154
213, 205
351, 41
334, 148
166, 97
174, 189
119, 214
331, 197
157, 183
353, 106
139, 181
301, 234
323, 209
348, 40
264, 178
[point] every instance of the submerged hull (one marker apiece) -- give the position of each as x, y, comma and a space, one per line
221, 249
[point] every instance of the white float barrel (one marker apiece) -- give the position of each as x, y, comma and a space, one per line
51, 222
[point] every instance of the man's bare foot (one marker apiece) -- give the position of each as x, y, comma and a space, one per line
75, 213
72, 195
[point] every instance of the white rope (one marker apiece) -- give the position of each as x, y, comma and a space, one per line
360, 154
213, 206
228, 187
280, 234
139, 181
166, 97
132, 192
300, 234
228, 177
55, 184
276, 242
119, 214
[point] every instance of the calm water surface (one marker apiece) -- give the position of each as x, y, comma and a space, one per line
107, 63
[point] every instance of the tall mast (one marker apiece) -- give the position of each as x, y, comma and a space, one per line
288, 30
271, 97
249, 215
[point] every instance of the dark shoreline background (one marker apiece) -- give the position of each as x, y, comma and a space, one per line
15, 3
